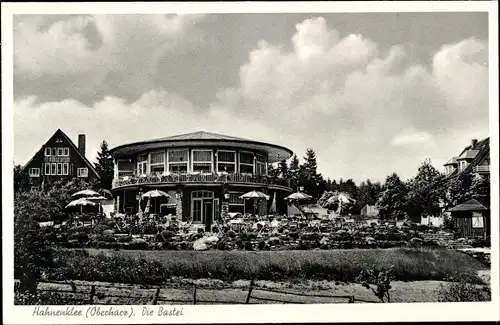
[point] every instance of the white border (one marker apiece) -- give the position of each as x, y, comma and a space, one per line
260, 313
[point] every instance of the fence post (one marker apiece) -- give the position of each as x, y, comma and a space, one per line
250, 291
156, 296
351, 299
194, 295
92, 294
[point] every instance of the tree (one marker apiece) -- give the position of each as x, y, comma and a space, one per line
32, 253
480, 189
105, 166
49, 204
367, 193
293, 172
426, 192
392, 200
458, 190
283, 169
272, 171
21, 180
309, 176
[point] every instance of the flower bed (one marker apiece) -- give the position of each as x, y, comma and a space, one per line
164, 236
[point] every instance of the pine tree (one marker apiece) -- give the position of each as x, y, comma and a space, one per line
105, 166
293, 172
309, 176
392, 200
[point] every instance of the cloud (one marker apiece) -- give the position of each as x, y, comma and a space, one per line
350, 99
367, 111
414, 138
84, 57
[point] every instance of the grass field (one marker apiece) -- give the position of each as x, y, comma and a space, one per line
154, 267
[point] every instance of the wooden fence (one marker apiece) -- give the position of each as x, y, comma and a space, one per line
92, 294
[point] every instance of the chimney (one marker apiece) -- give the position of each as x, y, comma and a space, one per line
81, 144
473, 144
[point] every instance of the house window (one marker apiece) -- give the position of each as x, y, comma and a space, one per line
202, 161
60, 151
59, 169
477, 220
226, 161
142, 166
53, 169
48, 152
463, 164
54, 151
158, 162
34, 172
65, 170
125, 168
234, 198
66, 152
246, 163
47, 169
177, 161
261, 166
82, 172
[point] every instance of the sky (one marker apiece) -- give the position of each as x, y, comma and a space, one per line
371, 93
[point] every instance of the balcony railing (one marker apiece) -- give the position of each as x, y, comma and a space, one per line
481, 169
200, 178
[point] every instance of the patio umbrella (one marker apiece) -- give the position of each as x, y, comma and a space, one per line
153, 194
86, 193
106, 193
81, 203
256, 195
298, 196
96, 198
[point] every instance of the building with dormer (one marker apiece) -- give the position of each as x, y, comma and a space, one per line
59, 159
475, 159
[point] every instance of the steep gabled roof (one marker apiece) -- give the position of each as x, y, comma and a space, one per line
72, 145
483, 151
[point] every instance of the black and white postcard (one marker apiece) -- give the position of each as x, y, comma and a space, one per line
250, 162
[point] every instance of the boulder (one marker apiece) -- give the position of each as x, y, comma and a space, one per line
200, 245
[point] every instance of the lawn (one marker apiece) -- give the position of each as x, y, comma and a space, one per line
155, 267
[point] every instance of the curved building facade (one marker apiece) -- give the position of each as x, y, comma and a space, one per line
204, 174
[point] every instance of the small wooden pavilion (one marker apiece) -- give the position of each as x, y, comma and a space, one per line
471, 219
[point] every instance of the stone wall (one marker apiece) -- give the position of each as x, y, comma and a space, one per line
178, 205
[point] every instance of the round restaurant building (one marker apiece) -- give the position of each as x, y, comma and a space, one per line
204, 174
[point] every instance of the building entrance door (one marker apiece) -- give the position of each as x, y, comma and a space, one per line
208, 213
202, 208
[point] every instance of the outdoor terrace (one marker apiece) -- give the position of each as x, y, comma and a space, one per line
200, 178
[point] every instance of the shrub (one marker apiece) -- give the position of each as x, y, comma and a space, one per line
381, 279
463, 292
39, 298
